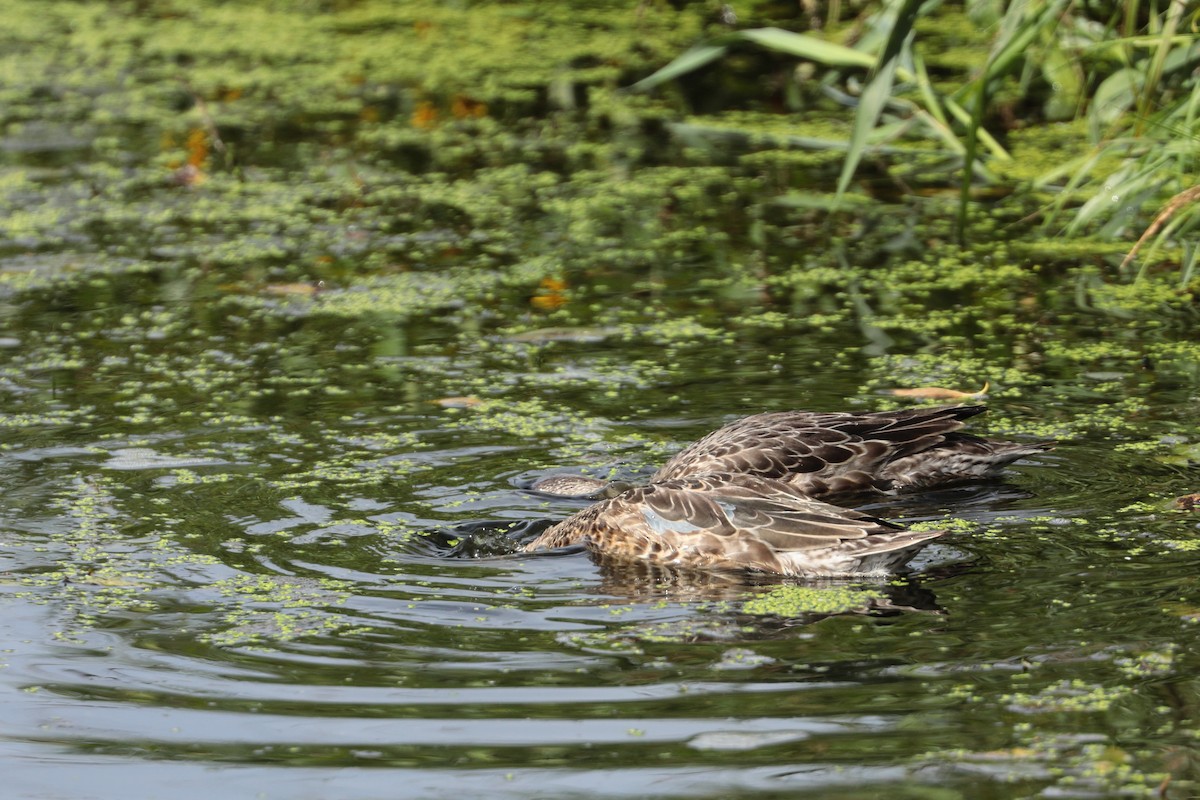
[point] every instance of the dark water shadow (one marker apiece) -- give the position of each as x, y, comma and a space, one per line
481, 539
968, 500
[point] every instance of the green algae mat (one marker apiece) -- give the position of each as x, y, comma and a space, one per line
296, 301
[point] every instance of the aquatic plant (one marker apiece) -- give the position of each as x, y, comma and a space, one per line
1131, 74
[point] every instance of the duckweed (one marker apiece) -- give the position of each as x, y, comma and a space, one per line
794, 601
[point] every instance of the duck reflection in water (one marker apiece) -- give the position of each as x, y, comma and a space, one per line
650, 582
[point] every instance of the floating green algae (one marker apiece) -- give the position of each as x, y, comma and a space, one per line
795, 601
262, 609
1067, 696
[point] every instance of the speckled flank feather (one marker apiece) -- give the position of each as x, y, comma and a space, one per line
733, 521
823, 453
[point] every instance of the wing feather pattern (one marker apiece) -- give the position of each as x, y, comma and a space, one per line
741, 521
825, 453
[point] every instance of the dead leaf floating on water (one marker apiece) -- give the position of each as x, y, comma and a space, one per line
457, 402
302, 289
938, 393
107, 581
297, 289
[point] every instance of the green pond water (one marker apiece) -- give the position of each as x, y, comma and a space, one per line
266, 428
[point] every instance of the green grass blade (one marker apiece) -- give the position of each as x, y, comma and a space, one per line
1191, 261
1021, 32
1102, 47
932, 104
1168, 232
877, 92
1113, 97
870, 107
974, 126
809, 47
731, 136
821, 51
1120, 195
691, 60
986, 139
1154, 75
800, 45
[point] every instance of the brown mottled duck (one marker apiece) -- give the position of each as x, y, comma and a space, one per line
743, 497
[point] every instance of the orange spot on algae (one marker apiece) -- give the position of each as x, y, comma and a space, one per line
425, 115
463, 107
551, 294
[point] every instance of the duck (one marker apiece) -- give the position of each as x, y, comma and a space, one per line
748, 496
726, 521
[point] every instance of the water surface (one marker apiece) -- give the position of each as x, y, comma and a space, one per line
266, 429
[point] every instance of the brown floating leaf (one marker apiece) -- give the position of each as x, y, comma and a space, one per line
107, 580
293, 289
938, 393
457, 402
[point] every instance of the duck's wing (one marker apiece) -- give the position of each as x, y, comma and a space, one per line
732, 521
819, 453
959, 457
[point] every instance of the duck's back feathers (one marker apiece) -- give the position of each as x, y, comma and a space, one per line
959, 457
823, 453
737, 521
